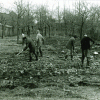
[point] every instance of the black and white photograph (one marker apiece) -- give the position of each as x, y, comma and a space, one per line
49, 50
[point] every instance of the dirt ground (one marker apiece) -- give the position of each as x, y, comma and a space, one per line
59, 78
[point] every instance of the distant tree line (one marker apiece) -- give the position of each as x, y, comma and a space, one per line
26, 18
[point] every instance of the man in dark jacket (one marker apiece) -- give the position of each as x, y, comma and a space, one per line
29, 44
85, 46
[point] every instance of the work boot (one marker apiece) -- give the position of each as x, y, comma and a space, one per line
41, 54
88, 64
37, 53
66, 56
71, 57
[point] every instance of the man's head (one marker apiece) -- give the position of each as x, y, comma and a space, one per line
23, 35
24, 38
85, 35
38, 31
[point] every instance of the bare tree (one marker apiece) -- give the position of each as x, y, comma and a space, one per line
20, 12
3, 22
13, 17
42, 16
82, 15
94, 21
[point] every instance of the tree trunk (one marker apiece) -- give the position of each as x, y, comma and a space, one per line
49, 31
2, 31
65, 28
28, 32
17, 35
17, 31
81, 29
45, 30
73, 30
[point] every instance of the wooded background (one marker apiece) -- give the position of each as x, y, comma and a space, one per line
27, 18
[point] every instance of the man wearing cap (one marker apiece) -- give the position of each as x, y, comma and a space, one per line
70, 46
29, 44
39, 42
85, 46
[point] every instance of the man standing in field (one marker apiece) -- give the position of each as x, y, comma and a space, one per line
70, 46
39, 42
85, 46
29, 44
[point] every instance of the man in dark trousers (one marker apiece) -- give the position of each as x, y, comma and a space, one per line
85, 46
29, 44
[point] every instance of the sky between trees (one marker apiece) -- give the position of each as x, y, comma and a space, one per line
52, 4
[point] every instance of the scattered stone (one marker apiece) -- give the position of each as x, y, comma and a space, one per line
47, 56
95, 53
60, 56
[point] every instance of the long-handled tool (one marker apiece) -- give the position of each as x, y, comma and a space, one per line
19, 53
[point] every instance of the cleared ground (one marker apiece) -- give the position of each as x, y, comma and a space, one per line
51, 77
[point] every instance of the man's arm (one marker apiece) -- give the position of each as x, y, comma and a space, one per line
43, 40
91, 40
27, 44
